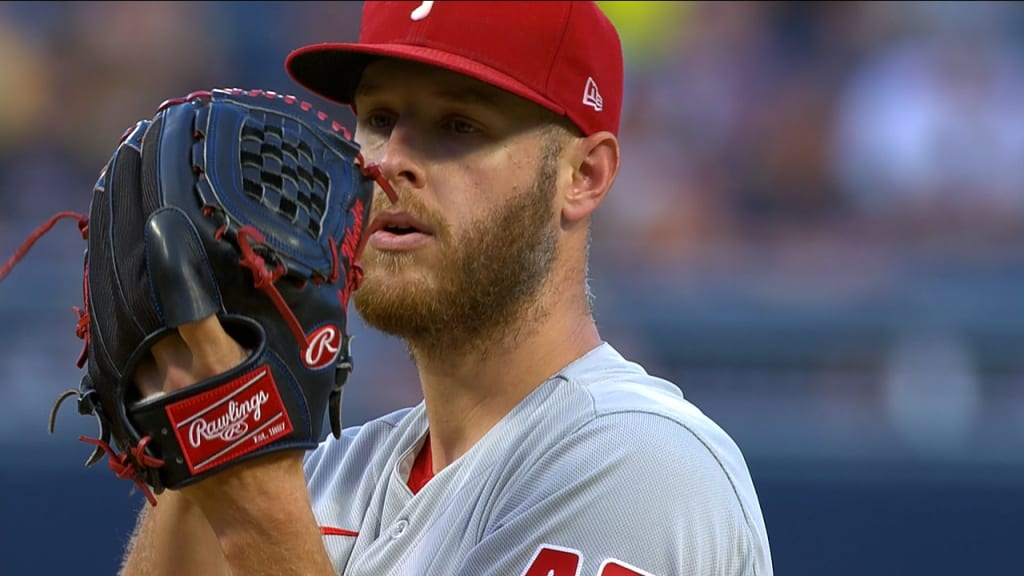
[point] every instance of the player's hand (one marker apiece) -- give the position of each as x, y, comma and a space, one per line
197, 351
254, 501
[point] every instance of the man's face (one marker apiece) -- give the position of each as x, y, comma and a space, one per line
474, 233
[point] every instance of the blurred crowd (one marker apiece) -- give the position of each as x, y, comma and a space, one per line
792, 173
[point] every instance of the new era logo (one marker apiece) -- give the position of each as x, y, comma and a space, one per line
591, 97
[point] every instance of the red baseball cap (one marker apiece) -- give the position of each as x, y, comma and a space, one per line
564, 56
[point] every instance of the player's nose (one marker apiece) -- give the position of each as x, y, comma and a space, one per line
401, 160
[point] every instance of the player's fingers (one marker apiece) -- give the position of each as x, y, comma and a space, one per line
148, 379
167, 367
213, 350
174, 363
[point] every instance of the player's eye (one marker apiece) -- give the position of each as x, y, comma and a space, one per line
378, 121
460, 126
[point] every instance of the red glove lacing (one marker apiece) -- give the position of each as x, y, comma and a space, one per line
131, 465
82, 327
83, 227
264, 278
373, 171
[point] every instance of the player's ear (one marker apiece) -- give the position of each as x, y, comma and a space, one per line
595, 162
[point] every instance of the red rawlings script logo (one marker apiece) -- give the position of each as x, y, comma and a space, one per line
324, 345
350, 249
229, 421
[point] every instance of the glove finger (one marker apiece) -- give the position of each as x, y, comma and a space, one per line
115, 251
184, 286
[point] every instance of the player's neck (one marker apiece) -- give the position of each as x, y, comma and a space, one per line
468, 394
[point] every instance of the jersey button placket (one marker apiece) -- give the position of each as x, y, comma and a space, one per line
398, 528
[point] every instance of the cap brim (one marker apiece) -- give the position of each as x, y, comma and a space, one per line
333, 70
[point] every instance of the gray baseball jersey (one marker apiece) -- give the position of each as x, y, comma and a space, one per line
602, 470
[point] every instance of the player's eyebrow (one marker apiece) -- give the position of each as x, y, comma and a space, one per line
456, 95
471, 95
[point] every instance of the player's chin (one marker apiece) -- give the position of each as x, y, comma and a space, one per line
393, 303
386, 264
395, 274
420, 260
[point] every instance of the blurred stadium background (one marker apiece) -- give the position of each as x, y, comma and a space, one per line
818, 233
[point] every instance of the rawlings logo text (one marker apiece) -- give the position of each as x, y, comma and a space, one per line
350, 244
230, 425
229, 420
350, 248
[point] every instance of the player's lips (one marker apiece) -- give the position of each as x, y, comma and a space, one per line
395, 231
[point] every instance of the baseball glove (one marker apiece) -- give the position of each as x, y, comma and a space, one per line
245, 204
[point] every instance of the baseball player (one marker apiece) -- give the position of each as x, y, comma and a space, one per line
538, 450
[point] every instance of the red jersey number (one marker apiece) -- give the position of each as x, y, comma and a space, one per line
552, 560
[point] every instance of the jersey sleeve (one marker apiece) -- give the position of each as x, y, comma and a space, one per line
629, 493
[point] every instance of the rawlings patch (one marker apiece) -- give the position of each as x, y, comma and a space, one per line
229, 421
